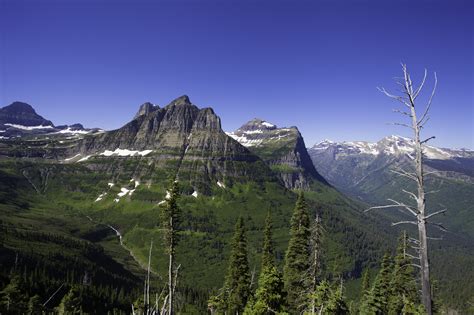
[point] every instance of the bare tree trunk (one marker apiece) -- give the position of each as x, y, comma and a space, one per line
421, 217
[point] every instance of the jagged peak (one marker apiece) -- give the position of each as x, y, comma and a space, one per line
146, 108
257, 124
182, 100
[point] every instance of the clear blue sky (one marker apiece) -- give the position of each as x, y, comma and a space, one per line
314, 64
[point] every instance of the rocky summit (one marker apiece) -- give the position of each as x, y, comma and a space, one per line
19, 113
281, 148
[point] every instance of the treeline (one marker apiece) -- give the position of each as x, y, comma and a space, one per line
301, 288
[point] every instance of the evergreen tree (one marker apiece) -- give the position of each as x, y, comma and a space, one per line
403, 285
365, 287
269, 297
34, 305
315, 260
297, 256
268, 254
171, 216
336, 304
377, 301
71, 302
237, 289
13, 296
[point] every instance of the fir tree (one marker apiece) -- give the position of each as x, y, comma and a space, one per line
71, 302
13, 296
297, 256
171, 216
336, 304
34, 305
377, 301
269, 297
315, 260
237, 284
365, 287
403, 285
268, 254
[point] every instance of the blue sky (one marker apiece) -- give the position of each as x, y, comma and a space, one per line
313, 64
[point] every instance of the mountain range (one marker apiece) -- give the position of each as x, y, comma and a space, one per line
100, 191
365, 171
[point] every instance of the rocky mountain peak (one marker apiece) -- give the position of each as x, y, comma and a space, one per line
23, 114
182, 100
146, 108
257, 124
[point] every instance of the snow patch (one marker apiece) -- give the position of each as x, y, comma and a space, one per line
84, 158
220, 184
101, 196
72, 158
267, 124
68, 130
111, 185
28, 127
195, 194
126, 152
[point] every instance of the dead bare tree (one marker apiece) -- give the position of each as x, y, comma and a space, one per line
408, 97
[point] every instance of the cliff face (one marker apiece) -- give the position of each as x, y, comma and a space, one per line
179, 138
283, 149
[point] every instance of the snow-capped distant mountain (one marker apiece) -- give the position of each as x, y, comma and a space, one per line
392, 145
364, 170
20, 119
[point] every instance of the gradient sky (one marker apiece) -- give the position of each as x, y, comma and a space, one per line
313, 64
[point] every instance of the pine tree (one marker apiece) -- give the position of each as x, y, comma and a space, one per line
71, 302
13, 296
365, 287
34, 305
336, 304
268, 254
171, 216
297, 256
315, 260
269, 297
377, 301
403, 285
237, 284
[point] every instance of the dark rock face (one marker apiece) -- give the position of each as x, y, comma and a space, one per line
283, 149
186, 137
146, 108
22, 114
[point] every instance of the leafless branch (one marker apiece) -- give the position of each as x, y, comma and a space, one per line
404, 222
418, 90
426, 140
435, 213
429, 101
412, 195
411, 256
401, 112
400, 124
435, 238
405, 174
395, 97
416, 265
431, 192
400, 204
439, 226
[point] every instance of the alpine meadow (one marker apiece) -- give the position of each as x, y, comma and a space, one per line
182, 208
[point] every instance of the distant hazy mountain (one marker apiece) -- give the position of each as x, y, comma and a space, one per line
20, 119
283, 149
363, 170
